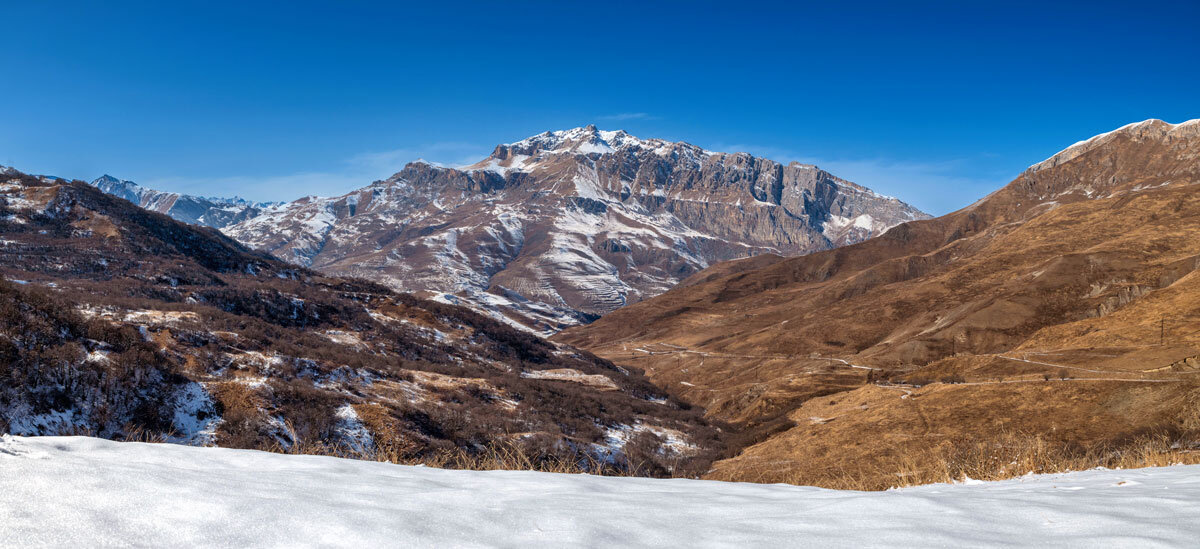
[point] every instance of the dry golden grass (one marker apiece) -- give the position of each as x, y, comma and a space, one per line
386, 429
880, 437
237, 398
130, 433
510, 456
1011, 456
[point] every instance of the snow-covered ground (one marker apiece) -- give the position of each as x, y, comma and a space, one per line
76, 491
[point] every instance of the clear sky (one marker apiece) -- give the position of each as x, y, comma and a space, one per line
936, 103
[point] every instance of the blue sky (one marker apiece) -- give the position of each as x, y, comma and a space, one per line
936, 103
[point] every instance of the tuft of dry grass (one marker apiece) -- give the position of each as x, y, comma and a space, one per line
130, 432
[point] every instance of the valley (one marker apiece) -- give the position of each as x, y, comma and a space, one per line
1055, 318
600, 274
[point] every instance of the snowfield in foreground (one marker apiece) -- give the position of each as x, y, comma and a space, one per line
77, 491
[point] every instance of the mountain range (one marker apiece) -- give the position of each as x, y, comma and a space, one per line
556, 229
199, 210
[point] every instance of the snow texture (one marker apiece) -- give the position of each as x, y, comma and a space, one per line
76, 491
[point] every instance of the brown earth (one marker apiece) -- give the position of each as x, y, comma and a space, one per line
849, 361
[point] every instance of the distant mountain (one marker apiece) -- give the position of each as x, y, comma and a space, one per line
1063, 307
198, 210
564, 226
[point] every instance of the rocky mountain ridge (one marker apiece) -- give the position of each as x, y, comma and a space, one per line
564, 226
198, 210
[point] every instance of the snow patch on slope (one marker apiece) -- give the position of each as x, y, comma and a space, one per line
196, 418
353, 431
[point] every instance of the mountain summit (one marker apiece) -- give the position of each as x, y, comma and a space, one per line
583, 140
563, 226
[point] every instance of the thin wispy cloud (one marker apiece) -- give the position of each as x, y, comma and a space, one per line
624, 116
352, 173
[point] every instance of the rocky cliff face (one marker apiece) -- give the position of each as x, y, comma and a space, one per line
198, 210
565, 226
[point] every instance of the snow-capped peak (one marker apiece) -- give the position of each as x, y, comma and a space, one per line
525, 155
585, 140
429, 163
117, 187
1080, 147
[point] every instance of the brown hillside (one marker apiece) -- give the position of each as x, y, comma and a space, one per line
1070, 269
